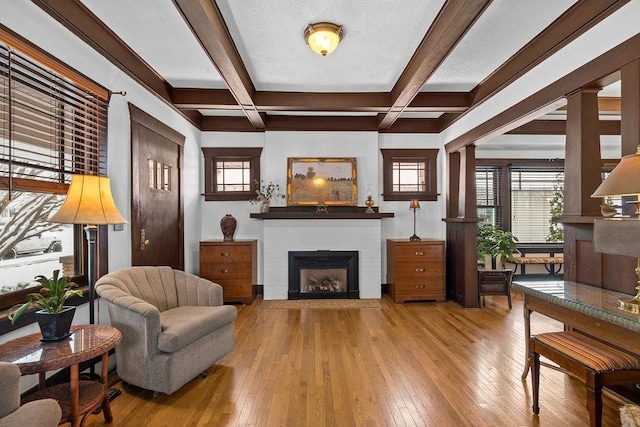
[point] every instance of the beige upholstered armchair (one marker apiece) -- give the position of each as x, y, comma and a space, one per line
45, 412
173, 325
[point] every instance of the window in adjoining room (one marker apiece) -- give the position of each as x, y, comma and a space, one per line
409, 174
53, 123
231, 173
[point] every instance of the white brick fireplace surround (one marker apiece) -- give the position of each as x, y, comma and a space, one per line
283, 235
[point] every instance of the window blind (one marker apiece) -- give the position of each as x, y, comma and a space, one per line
489, 194
50, 127
532, 191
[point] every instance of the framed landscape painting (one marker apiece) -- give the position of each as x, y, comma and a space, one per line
313, 180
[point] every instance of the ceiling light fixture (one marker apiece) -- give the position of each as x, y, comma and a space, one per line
323, 37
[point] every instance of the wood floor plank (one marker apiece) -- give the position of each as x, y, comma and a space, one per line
412, 364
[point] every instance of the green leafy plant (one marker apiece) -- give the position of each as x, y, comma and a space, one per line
54, 293
556, 234
494, 241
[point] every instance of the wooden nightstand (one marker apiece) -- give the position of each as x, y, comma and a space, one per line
232, 265
416, 270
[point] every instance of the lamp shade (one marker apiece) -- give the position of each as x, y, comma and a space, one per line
323, 37
89, 201
414, 204
624, 179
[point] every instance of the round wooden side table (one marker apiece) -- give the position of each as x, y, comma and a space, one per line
77, 398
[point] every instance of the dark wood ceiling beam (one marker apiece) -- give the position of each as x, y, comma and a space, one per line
600, 72
208, 26
77, 18
222, 99
349, 101
227, 124
606, 105
559, 127
211, 99
318, 124
575, 21
440, 102
453, 21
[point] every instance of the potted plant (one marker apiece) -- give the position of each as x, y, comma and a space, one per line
53, 317
495, 244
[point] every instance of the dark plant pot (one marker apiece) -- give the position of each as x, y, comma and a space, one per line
55, 326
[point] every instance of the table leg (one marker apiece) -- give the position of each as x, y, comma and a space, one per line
106, 407
42, 381
74, 390
527, 335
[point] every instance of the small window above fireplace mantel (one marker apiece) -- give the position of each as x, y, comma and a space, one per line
309, 212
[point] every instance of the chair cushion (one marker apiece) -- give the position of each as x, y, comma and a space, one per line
596, 355
630, 415
183, 325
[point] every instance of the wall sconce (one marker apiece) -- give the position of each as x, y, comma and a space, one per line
323, 37
414, 206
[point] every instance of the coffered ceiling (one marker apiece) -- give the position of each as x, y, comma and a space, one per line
403, 65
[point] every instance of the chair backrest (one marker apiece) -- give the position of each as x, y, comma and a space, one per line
155, 285
10, 386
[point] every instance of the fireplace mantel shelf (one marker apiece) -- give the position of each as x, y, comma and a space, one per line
330, 215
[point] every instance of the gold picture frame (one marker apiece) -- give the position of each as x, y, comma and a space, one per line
332, 180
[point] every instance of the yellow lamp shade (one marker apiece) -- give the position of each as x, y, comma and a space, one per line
624, 179
89, 201
323, 37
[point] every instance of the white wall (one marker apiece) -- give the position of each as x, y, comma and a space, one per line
30, 22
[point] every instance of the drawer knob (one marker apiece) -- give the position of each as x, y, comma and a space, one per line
225, 288
420, 286
224, 270
419, 269
224, 254
419, 253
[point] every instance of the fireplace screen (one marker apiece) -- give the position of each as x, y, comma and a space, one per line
323, 280
323, 274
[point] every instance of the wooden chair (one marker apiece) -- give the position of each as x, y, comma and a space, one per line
494, 282
594, 362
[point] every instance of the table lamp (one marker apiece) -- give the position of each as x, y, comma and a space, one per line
624, 180
414, 205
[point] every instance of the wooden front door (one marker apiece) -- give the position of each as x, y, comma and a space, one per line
156, 209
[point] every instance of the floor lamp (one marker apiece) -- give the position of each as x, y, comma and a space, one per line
89, 202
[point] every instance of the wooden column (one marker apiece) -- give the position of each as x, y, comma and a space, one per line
630, 121
582, 154
453, 183
462, 271
582, 177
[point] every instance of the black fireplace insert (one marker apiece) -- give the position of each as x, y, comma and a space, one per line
323, 274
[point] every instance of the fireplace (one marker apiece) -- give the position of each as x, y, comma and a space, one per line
323, 274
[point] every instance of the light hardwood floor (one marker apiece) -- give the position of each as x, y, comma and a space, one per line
413, 364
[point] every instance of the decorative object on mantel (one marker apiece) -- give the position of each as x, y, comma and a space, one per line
266, 192
414, 205
228, 226
321, 208
369, 202
624, 180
